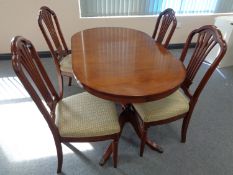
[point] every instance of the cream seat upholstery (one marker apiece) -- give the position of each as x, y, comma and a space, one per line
66, 64
173, 105
84, 115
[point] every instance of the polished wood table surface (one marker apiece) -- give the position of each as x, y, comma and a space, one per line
125, 66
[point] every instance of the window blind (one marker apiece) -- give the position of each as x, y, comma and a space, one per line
100, 8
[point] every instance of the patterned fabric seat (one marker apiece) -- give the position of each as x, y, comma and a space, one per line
84, 115
66, 64
173, 105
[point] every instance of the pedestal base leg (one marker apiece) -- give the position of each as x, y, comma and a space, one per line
154, 146
128, 115
106, 155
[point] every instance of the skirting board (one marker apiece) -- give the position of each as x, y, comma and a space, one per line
46, 54
7, 56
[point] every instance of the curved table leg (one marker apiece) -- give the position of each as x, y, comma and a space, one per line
122, 120
128, 115
136, 125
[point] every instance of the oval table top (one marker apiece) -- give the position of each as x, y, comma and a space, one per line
124, 65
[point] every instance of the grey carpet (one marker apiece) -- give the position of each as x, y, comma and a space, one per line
26, 144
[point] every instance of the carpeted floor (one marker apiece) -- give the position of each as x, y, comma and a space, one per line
27, 147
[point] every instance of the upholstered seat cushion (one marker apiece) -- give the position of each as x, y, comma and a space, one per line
66, 64
84, 115
168, 107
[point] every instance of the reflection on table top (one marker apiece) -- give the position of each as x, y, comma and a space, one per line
124, 65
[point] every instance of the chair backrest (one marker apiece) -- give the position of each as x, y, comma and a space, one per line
207, 37
163, 32
29, 69
50, 28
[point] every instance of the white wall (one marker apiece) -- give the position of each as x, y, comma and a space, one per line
20, 18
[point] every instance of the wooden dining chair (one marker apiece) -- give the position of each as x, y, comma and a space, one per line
165, 27
77, 118
51, 30
181, 103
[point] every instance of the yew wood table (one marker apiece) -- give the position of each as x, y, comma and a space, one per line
125, 66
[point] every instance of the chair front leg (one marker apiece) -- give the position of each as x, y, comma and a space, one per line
115, 151
59, 157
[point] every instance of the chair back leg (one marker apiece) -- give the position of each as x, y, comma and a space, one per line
70, 81
184, 128
143, 140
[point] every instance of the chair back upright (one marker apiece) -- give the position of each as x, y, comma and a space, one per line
163, 32
207, 37
30, 71
50, 28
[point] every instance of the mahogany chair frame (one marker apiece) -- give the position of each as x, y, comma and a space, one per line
51, 30
29, 69
208, 37
165, 19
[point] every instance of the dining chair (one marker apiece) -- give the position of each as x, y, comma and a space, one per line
181, 103
77, 118
51, 30
165, 27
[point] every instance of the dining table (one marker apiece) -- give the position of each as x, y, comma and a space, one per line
125, 66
